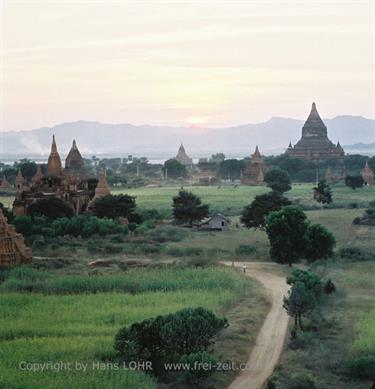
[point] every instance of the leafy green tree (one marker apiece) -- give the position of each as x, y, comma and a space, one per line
114, 206
299, 302
52, 208
278, 180
354, 181
286, 230
174, 169
231, 169
28, 168
187, 208
254, 215
217, 158
320, 242
167, 338
323, 193
312, 281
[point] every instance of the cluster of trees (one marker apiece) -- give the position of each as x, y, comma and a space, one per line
292, 237
182, 337
52, 217
83, 226
304, 295
254, 215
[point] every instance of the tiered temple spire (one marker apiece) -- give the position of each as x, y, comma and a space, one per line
54, 167
314, 144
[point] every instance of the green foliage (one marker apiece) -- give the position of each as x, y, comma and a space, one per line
254, 215
286, 230
300, 302
246, 250
174, 169
84, 226
38, 327
167, 234
27, 279
115, 206
27, 167
323, 193
320, 242
282, 380
167, 338
312, 281
354, 254
201, 366
354, 181
278, 180
52, 208
230, 169
187, 208
362, 367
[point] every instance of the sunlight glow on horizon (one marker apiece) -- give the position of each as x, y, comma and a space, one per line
200, 64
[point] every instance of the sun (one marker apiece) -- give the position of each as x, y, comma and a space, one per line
198, 120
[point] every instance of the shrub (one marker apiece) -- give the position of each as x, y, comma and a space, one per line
312, 281
362, 367
329, 287
52, 208
282, 380
245, 249
354, 254
185, 252
201, 366
167, 234
167, 338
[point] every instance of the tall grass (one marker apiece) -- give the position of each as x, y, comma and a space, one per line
164, 279
39, 328
365, 342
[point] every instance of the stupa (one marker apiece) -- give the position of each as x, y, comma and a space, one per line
254, 173
314, 144
367, 175
183, 158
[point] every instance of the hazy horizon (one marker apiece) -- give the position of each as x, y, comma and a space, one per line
184, 64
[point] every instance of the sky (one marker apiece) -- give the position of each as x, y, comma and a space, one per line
184, 63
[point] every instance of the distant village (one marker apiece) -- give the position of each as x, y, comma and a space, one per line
81, 181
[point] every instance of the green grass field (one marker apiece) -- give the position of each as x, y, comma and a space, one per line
231, 199
38, 328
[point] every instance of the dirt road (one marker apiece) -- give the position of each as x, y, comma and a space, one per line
270, 340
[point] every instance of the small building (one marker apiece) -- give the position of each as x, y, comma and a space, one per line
367, 175
217, 222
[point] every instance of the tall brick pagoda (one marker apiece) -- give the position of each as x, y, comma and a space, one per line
314, 144
13, 250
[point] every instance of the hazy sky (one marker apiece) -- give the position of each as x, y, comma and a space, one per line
211, 63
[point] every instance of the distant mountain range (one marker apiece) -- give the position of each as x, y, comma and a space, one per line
97, 138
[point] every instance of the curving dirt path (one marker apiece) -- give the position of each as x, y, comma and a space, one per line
270, 340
